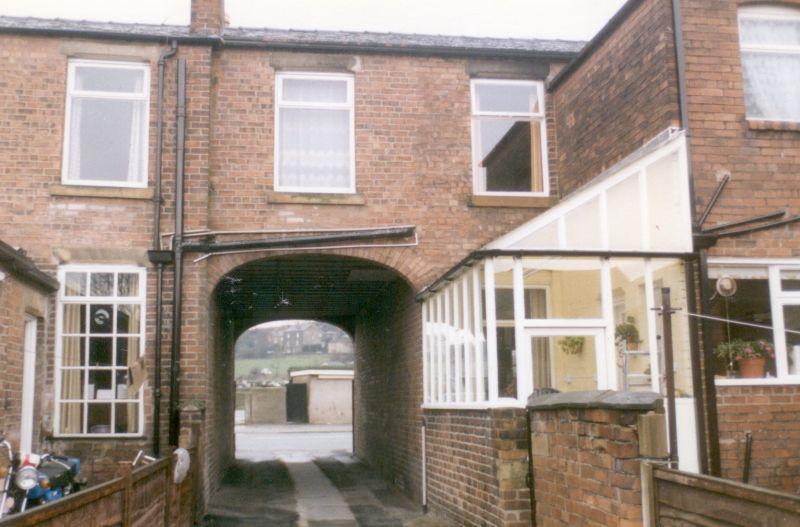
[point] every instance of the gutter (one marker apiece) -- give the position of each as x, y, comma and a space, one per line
209, 40
19, 264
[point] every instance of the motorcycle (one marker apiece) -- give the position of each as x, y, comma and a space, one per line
30, 480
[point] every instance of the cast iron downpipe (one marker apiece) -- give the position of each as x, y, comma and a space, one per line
162, 62
177, 249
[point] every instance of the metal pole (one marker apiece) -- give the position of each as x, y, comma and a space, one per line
708, 369
748, 456
669, 366
697, 373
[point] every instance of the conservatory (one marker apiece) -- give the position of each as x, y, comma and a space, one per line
567, 301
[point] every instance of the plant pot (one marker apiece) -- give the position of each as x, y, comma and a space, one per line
752, 368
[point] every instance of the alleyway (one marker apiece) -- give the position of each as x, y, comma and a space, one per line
304, 476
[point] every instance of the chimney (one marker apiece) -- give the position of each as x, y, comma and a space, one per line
207, 17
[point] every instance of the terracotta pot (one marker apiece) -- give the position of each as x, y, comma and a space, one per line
752, 368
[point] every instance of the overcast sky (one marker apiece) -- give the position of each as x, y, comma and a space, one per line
571, 19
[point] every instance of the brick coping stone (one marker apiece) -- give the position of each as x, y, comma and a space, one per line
606, 399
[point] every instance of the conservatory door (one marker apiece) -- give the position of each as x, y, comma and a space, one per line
567, 359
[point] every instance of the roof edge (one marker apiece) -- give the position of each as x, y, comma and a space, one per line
19, 264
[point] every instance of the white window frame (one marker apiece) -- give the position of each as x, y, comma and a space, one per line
140, 299
28, 384
778, 300
478, 179
349, 105
768, 12
90, 94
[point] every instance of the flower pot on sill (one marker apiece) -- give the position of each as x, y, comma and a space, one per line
752, 368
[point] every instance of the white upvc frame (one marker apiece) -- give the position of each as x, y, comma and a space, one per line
768, 12
28, 385
778, 299
125, 96
478, 177
349, 105
141, 300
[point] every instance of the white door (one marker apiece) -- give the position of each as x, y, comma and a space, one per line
28, 385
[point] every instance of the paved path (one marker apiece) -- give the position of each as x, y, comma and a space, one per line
304, 476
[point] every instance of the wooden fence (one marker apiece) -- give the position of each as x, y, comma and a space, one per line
142, 497
673, 498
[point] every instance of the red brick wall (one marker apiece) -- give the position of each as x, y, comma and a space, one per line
619, 98
477, 461
12, 334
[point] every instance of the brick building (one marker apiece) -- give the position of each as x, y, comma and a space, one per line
335, 176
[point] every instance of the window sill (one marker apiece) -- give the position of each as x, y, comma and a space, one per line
531, 202
94, 437
298, 198
101, 192
780, 126
771, 381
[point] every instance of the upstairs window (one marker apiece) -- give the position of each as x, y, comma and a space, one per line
314, 143
105, 136
508, 137
769, 37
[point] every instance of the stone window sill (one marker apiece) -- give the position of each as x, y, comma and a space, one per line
101, 192
531, 202
780, 126
315, 199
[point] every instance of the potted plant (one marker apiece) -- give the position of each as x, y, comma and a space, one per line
628, 333
572, 345
749, 356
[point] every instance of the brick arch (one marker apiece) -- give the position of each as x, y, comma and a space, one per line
405, 261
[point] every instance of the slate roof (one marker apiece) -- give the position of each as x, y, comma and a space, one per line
303, 39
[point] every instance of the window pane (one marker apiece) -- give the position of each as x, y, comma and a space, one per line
314, 90
100, 351
72, 384
582, 226
127, 284
624, 215
508, 98
121, 80
126, 418
507, 156
671, 273
75, 284
106, 140
506, 362
564, 363
631, 331
100, 385
127, 350
791, 323
128, 318
74, 318
314, 148
771, 85
73, 352
99, 418
790, 280
122, 383
102, 284
574, 285
769, 31
100, 316
71, 418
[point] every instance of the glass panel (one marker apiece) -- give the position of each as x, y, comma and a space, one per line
127, 284
102, 284
315, 90
665, 205
99, 418
122, 385
100, 351
506, 362
104, 138
543, 238
71, 418
582, 226
791, 323
74, 318
127, 350
72, 384
564, 363
73, 351
120, 80
790, 279
100, 316
769, 31
99, 386
631, 331
670, 273
507, 98
75, 284
624, 215
573, 284
507, 154
126, 418
128, 320
771, 85
314, 148
746, 300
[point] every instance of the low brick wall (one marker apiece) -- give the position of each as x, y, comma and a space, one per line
477, 462
586, 461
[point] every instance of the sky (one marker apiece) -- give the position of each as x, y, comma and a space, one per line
568, 19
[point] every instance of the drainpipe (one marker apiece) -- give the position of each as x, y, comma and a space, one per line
177, 250
704, 413
156, 255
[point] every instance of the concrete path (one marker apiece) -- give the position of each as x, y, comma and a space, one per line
304, 476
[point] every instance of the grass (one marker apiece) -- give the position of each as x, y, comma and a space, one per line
280, 364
